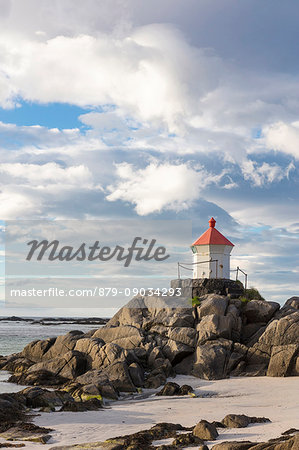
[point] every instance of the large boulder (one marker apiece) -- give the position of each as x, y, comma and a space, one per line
211, 359
233, 312
137, 374
39, 398
100, 355
114, 378
205, 430
242, 421
51, 348
36, 350
16, 364
238, 355
126, 336
95, 378
282, 360
119, 376
38, 378
173, 343
213, 327
293, 302
175, 351
184, 335
145, 312
212, 304
12, 409
260, 310
68, 366
282, 332
236, 421
63, 344
251, 333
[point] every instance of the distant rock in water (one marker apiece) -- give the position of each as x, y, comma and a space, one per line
154, 337
57, 320
15, 319
69, 320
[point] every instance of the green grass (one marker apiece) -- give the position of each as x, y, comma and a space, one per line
251, 294
195, 301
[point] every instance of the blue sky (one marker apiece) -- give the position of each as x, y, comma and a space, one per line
51, 115
165, 109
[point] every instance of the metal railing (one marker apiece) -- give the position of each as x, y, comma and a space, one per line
237, 270
195, 263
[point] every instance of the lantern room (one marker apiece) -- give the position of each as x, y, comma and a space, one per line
211, 254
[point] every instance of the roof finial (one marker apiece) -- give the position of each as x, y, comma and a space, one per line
212, 222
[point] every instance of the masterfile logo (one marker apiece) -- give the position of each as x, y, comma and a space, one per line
92, 263
96, 252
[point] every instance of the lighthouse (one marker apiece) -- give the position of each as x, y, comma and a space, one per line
211, 254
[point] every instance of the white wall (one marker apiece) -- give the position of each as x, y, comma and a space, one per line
208, 269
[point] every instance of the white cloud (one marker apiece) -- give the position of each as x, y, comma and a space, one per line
45, 174
283, 137
33, 190
265, 173
160, 186
15, 204
178, 97
149, 72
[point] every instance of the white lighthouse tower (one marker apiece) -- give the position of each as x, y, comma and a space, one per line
211, 254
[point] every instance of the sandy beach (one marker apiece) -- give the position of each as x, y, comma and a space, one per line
275, 398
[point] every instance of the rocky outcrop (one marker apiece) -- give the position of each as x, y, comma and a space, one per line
153, 338
278, 342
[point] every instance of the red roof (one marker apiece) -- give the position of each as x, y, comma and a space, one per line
212, 236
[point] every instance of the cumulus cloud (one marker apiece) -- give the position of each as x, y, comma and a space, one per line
166, 94
28, 190
160, 186
152, 73
44, 174
149, 72
283, 137
264, 173
16, 203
